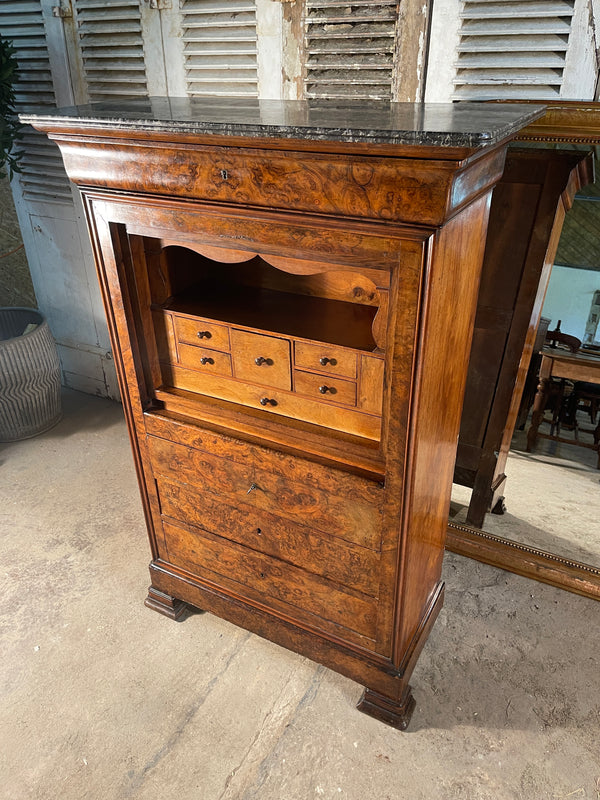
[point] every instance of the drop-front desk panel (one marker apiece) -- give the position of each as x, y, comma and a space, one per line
290, 290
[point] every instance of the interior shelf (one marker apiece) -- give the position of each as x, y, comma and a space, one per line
303, 316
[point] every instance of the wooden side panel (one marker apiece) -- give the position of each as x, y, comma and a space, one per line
444, 340
370, 393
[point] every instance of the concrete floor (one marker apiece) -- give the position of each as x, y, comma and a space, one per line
103, 699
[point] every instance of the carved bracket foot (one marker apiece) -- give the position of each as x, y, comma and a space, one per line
165, 604
396, 714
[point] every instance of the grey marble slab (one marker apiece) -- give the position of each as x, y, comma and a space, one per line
434, 124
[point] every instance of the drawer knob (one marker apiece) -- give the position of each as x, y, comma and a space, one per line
325, 389
204, 334
207, 360
324, 361
260, 360
268, 401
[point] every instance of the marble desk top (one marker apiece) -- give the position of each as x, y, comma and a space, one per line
468, 125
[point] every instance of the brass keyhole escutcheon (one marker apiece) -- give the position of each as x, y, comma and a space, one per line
224, 174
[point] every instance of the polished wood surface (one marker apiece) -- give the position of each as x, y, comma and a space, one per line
314, 518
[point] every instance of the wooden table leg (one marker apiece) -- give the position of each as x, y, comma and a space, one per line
539, 405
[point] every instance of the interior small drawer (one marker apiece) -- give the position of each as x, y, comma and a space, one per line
195, 330
261, 359
324, 387
324, 358
204, 360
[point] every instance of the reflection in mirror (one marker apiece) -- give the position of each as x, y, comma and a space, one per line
545, 489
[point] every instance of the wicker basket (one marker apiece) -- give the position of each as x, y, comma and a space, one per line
29, 375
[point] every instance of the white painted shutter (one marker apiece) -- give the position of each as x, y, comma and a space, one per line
111, 48
512, 50
350, 48
219, 41
43, 177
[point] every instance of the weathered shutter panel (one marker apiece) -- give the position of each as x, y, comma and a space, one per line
112, 48
350, 48
43, 177
512, 50
220, 50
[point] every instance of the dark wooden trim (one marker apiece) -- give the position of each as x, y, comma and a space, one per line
524, 560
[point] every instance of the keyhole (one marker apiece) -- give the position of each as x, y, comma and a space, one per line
224, 174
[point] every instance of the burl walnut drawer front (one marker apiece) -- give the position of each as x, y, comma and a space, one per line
324, 387
280, 492
194, 330
343, 562
324, 358
261, 359
269, 581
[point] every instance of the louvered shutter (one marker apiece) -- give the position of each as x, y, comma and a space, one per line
111, 48
43, 177
218, 47
350, 48
512, 50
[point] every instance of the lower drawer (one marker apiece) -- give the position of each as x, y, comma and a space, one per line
334, 559
272, 583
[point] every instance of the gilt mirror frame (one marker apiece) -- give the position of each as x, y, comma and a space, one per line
565, 122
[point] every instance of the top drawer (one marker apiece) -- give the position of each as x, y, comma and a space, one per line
194, 330
383, 188
324, 358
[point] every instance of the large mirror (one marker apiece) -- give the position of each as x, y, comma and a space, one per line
533, 507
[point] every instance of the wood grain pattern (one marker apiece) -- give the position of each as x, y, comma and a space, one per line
258, 487
265, 360
345, 563
196, 330
263, 577
205, 360
410, 191
278, 402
